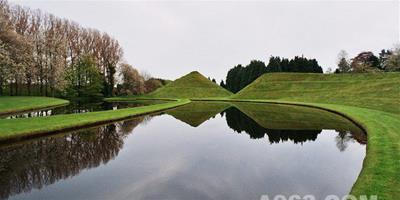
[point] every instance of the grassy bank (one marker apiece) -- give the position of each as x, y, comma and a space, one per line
20, 104
16, 129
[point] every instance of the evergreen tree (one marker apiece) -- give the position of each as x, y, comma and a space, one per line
222, 84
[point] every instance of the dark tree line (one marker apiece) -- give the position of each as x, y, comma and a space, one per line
297, 64
239, 77
240, 122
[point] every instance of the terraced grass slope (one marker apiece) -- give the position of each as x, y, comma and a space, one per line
192, 85
379, 91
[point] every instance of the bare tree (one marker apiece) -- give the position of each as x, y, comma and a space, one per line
37, 49
393, 61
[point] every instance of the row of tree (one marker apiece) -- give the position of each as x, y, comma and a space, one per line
388, 61
239, 77
38, 50
41, 54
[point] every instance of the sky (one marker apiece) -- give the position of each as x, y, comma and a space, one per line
171, 38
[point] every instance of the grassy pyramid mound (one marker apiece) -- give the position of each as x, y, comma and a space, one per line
192, 85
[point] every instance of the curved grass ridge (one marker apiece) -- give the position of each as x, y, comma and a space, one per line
20, 104
17, 129
379, 91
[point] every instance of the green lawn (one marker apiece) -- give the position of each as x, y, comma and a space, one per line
15, 129
19, 104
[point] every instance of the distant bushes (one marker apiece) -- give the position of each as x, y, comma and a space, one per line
366, 61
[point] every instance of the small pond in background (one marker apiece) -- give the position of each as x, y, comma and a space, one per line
81, 107
197, 151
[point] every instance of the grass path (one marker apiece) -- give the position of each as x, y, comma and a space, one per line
17, 129
20, 104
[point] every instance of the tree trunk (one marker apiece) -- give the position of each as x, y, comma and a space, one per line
16, 88
28, 83
1, 86
45, 87
11, 88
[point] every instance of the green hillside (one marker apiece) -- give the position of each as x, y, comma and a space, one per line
192, 85
372, 90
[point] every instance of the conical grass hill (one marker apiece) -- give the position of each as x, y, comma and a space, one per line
192, 85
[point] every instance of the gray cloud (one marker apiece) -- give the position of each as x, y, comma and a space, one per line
169, 39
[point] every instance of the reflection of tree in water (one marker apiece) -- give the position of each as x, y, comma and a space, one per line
342, 140
239, 122
44, 161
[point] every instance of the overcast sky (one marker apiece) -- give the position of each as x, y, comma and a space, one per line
171, 38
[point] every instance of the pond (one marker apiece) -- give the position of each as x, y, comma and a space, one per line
81, 107
197, 151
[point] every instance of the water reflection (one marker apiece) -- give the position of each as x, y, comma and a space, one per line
196, 113
177, 163
82, 107
240, 122
41, 162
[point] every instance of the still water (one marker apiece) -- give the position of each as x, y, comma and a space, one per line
81, 107
198, 151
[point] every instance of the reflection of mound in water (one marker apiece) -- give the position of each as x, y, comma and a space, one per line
44, 161
196, 113
284, 123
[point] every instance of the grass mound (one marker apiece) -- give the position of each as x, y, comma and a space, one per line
380, 91
192, 85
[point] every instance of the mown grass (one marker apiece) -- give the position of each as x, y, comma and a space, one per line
191, 85
380, 91
16, 129
20, 104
